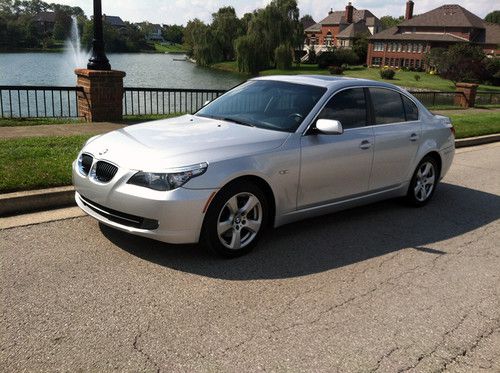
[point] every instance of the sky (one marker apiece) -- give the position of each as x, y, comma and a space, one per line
181, 11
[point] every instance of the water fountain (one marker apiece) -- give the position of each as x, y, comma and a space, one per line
74, 54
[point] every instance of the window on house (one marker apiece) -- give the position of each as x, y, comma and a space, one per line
399, 47
376, 61
420, 48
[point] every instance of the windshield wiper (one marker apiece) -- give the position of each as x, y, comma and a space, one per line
237, 121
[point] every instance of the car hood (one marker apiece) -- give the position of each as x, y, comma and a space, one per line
181, 141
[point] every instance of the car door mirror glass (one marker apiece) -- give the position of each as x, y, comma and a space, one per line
329, 126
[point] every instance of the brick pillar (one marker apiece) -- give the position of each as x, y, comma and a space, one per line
101, 99
465, 94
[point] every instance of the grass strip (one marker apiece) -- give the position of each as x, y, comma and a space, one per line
37, 162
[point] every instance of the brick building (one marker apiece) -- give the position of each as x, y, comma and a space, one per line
407, 43
339, 28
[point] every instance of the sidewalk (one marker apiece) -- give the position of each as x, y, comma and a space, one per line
58, 130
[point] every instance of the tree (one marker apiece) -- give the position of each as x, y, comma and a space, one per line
360, 47
62, 26
307, 21
225, 27
459, 63
493, 17
173, 33
389, 21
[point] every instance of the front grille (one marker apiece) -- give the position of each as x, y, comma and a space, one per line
105, 171
85, 163
120, 217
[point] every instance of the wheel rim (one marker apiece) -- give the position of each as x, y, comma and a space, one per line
239, 221
426, 178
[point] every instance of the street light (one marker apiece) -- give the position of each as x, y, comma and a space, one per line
98, 60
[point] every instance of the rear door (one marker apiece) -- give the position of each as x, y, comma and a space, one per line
397, 132
336, 166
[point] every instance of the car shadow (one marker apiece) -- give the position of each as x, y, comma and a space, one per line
331, 241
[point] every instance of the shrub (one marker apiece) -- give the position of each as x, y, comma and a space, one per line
387, 74
337, 57
311, 58
417, 77
336, 70
283, 57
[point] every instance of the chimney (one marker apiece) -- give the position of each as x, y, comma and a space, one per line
331, 11
348, 12
409, 9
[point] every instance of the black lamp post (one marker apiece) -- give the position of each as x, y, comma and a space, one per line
98, 60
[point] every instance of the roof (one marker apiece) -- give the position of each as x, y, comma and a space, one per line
308, 23
45, 17
338, 17
314, 28
452, 15
492, 31
325, 81
114, 21
353, 30
394, 34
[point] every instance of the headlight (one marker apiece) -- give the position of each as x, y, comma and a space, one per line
168, 181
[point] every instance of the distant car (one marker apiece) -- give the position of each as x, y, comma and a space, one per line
269, 152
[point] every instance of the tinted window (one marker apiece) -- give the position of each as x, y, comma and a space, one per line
348, 107
266, 104
410, 109
387, 106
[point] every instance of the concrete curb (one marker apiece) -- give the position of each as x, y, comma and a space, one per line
47, 199
479, 140
36, 200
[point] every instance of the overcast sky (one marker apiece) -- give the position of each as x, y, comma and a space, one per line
181, 11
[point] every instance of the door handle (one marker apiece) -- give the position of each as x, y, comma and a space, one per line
365, 144
413, 137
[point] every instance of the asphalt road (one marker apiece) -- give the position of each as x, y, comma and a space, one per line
379, 288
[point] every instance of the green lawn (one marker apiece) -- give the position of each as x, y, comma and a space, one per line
37, 162
177, 48
477, 124
15, 122
402, 78
43, 162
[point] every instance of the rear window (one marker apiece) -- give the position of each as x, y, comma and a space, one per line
411, 109
387, 106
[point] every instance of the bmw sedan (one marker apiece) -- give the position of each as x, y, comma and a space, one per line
268, 152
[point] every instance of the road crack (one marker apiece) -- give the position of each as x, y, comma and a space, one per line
137, 348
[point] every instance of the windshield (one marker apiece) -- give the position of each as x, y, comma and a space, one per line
265, 104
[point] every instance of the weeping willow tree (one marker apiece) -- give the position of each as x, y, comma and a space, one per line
275, 26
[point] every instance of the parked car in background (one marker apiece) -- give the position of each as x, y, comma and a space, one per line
269, 152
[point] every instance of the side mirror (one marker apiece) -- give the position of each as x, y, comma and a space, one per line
329, 127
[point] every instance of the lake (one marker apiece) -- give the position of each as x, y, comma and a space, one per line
143, 70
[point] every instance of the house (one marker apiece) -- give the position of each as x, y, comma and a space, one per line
340, 28
154, 32
406, 44
45, 21
114, 21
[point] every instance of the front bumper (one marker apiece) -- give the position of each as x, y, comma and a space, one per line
174, 216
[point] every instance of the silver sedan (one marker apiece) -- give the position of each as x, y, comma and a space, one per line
269, 152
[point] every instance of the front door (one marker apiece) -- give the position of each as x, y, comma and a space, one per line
336, 166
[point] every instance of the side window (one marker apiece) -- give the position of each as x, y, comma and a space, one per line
387, 106
348, 107
411, 109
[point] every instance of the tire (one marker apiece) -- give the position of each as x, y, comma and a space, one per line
424, 182
235, 220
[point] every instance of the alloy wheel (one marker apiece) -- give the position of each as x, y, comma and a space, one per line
239, 221
426, 178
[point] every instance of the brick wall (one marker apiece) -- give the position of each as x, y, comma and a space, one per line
101, 99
